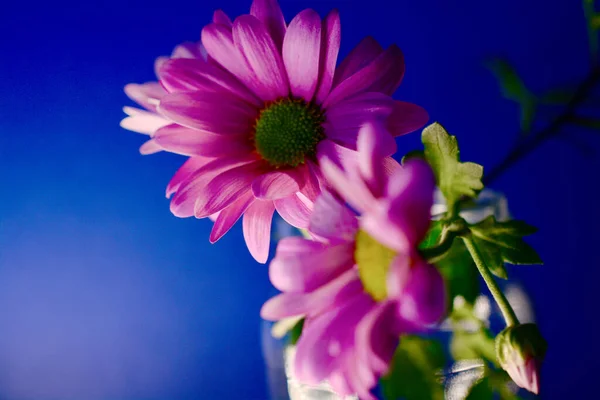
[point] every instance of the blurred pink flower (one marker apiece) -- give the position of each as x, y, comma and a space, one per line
267, 103
362, 282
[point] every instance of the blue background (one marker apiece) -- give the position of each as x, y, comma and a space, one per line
105, 295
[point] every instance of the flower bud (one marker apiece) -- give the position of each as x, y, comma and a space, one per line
520, 350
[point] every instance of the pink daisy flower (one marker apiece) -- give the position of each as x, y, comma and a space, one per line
362, 282
256, 118
147, 121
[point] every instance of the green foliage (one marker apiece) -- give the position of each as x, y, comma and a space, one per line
501, 242
455, 264
482, 390
557, 96
413, 375
493, 385
593, 24
433, 234
295, 333
466, 345
514, 89
412, 154
477, 342
454, 178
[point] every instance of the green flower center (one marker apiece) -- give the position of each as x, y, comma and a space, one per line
373, 260
287, 132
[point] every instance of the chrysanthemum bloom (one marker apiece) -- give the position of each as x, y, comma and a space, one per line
258, 115
520, 350
363, 282
147, 121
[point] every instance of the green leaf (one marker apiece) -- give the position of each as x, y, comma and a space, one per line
433, 234
414, 372
493, 258
592, 22
501, 242
481, 391
456, 266
412, 154
528, 111
296, 332
460, 273
557, 96
454, 178
514, 89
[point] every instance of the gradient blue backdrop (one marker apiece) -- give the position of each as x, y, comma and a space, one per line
105, 295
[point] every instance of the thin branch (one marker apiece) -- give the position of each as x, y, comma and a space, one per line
525, 146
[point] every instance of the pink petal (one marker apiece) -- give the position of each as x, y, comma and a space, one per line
141, 121
186, 75
312, 187
327, 338
333, 294
377, 338
398, 276
218, 41
228, 217
224, 189
264, 60
191, 142
423, 300
218, 113
348, 184
296, 245
187, 169
193, 184
390, 166
374, 144
383, 74
531, 375
257, 229
410, 190
361, 378
392, 233
332, 220
330, 47
401, 218
189, 50
362, 55
158, 63
307, 271
301, 48
213, 217
269, 13
406, 118
146, 95
294, 211
277, 184
150, 147
219, 17
340, 384
345, 119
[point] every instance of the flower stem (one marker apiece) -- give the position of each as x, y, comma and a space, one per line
509, 314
